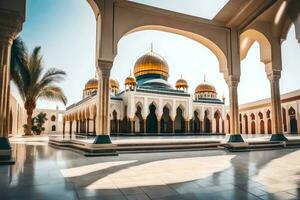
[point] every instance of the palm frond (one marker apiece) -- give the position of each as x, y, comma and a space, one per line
19, 61
35, 65
53, 93
52, 76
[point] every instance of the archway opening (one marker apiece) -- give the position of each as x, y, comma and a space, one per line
207, 123
179, 121
166, 121
246, 123
196, 123
253, 125
114, 123
217, 120
138, 120
293, 121
261, 123
152, 126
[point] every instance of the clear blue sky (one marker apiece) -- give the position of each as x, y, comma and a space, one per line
66, 31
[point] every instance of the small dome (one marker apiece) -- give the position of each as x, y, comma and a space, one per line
113, 84
92, 84
205, 87
181, 83
151, 64
130, 80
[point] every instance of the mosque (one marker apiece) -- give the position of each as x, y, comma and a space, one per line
149, 104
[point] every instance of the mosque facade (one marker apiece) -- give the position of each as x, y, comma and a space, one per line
149, 104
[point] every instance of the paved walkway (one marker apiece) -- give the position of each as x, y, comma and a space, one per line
42, 172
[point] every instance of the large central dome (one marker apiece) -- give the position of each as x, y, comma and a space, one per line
151, 65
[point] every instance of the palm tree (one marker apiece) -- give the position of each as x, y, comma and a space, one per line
32, 84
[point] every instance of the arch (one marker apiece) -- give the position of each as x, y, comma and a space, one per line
253, 129
183, 110
248, 37
53, 128
260, 115
117, 110
207, 123
152, 119
53, 118
114, 122
217, 118
156, 104
252, 116
204, 40
246, 123
196, 128
166, 121
138, 120
262, 127
179, 120
293, 120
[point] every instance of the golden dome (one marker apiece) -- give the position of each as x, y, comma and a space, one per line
205, 87
130, 80
181, 83
92, 84
151, 63
113, 84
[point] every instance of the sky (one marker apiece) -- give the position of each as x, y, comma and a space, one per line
66, 31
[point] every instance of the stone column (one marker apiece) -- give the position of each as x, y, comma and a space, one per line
103, 130
87, 126
94, 125
173, 126
277, 135
187, 126
158, 126
70, 128
235, 136
145, 125
10, 25
132, 125
64, 126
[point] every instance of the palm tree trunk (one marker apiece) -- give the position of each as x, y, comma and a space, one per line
28, 131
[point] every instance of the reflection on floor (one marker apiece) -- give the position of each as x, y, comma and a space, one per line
42, 172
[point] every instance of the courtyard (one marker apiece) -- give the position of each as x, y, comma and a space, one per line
43, 172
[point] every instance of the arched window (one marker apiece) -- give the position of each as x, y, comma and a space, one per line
53, 118
217, 118
293, 121
53, 128
246, 123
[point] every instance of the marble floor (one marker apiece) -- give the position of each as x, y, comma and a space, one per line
43, 172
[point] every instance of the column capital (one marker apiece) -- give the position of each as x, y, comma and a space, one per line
10, 25
274, 75
104, 67
232, 81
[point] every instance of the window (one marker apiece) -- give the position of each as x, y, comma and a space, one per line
53, 128
53, 118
